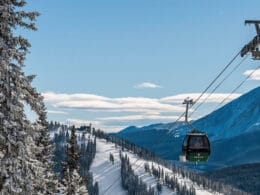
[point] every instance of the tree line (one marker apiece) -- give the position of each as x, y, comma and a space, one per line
130, 181
170, 181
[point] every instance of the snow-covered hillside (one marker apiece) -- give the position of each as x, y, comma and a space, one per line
108, 174
138, 166
239, 116
104, 172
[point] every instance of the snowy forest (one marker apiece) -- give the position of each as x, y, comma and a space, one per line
26, 150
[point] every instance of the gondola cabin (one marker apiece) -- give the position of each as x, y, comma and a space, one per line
196, 146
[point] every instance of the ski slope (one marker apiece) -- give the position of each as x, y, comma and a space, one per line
104, 172
138, 167
108, 175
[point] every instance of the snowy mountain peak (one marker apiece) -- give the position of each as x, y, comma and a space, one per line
237, 117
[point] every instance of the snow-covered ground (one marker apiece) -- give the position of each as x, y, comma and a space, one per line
104, 172
150, 180
108, 174
138, 167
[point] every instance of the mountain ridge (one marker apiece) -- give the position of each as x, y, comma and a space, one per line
236, 122
239, 108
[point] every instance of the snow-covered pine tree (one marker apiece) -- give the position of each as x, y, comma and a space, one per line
45, 152
21, 159
73, 151
73, 183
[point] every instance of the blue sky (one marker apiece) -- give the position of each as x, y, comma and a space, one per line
125, 59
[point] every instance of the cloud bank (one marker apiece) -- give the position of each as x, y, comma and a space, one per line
92, 102
118, 113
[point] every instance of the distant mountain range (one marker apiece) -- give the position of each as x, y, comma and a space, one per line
233, 130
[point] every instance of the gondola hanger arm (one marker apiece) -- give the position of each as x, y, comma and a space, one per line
256, 23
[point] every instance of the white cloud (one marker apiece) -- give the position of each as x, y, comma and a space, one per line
147, 85
210, 98
56, 97
131, 110
77, 122
254, 76
97, 103
96, 124
56, 112
138, 117
150, 106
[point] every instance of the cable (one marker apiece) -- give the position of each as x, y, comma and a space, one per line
212, 82
223, 80
234, 90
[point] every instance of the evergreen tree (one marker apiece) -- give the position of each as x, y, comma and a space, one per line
96, 189
46, 155
73, 183
111, 158
24, 146
159, 186
45, 152
73, 151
